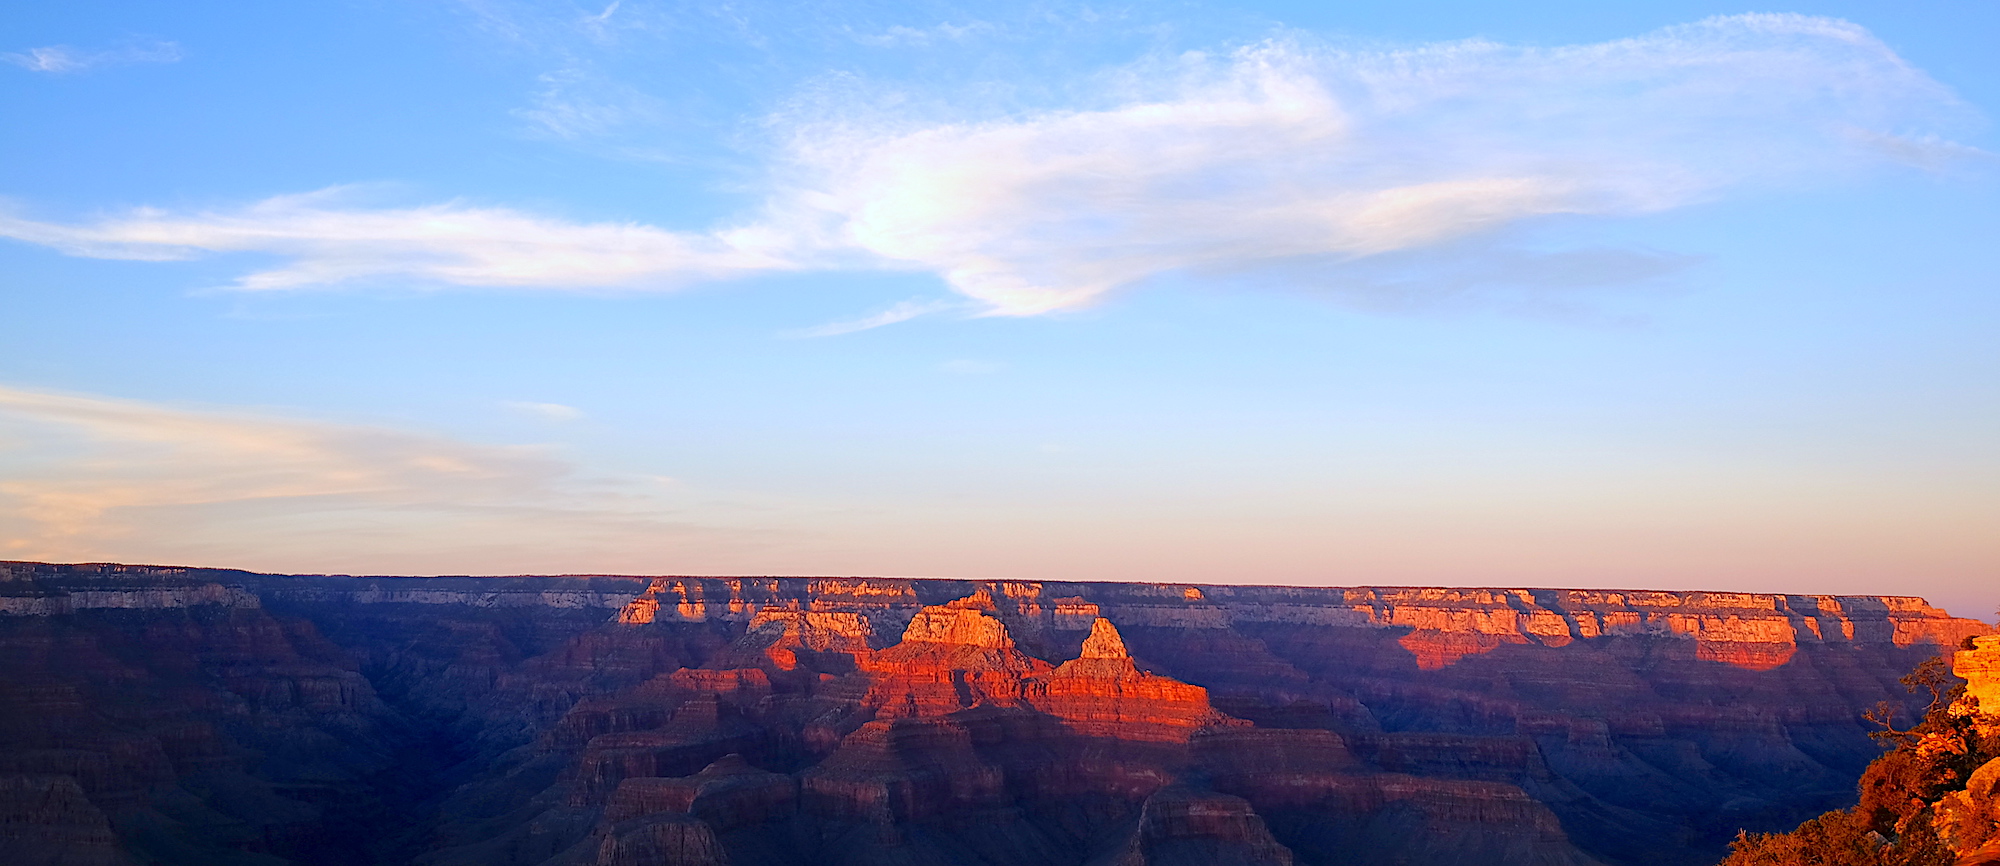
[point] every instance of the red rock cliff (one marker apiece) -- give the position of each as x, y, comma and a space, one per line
1979, 666
611, 720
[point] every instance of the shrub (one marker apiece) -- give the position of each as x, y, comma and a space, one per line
1893, 825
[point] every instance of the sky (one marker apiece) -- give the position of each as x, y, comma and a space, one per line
1671, 295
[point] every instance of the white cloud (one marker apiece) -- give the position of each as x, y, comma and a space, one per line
63, 58
327, 243
901, 34
603, 16
87, 477
84, 457
970, 367
1266, 157
901, 311
546, 411
1286, 150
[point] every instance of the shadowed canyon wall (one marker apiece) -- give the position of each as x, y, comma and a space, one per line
162, 715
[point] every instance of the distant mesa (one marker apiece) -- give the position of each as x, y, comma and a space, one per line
170, 715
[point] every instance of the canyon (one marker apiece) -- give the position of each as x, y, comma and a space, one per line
181, 715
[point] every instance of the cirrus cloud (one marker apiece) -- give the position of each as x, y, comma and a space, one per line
84, 457
1285, 150
545, 411
60, 59
86, 477
1282, 152
327, 241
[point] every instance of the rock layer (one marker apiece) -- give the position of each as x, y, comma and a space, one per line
200, 716
1979, 666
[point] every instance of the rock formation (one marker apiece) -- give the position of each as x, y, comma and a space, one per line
200, 716
1969, 819
1979, 666
1931, 800
1102, 693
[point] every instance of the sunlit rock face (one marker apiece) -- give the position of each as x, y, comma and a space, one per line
1979, 666
1103, 693
153, 715
1969, 820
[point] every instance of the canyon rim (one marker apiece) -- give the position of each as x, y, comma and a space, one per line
892, 433
179, 715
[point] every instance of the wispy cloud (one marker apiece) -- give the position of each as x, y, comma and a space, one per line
1570, 283
91, 477
1266, 157
127, 454
63, 58
573, 104
970, 367
546, 411
901, 311
1289, 150
328, 242
603, 16
904, 35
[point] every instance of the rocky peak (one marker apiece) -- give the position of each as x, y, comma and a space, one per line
961, 626
1104, 656
1104, 642
949, 659
980, 599
1508, 711
1102, 693
643, 608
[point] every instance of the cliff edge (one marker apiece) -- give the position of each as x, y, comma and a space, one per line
176, 715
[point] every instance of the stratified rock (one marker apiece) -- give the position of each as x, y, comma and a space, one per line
1330, 806
48, 821
1102, 693
703, 728
727, 794
1275, 766
958, 626
1979, 666
665, 839
1968, 821
203, 716
949, 659
1183, 827
784, 641
899, 770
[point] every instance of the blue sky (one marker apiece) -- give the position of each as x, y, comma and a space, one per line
1673, 295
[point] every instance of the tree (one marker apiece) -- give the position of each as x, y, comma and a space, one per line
1893, 824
